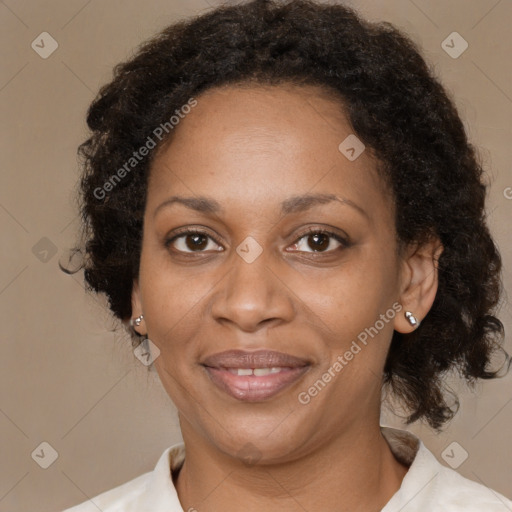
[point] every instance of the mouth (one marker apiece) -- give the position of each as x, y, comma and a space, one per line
254, 376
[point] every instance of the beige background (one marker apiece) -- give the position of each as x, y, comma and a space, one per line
67, 376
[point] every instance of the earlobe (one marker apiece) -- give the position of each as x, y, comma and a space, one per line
419, 284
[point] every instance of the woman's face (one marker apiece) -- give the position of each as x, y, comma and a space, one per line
258, 171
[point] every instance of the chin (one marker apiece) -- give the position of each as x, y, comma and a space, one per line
255, 445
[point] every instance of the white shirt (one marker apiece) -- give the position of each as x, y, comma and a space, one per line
428, 486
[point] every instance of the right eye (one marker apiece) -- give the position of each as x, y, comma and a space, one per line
190, 241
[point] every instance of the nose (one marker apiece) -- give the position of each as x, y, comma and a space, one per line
252, 295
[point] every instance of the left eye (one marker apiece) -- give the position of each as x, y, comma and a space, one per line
319, 241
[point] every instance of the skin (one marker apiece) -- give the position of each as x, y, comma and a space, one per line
250, 148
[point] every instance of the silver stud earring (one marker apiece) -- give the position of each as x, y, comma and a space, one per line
412, 319
136, 321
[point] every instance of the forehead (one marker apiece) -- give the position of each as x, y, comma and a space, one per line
263, 143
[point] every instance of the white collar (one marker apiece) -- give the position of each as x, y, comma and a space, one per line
160, 494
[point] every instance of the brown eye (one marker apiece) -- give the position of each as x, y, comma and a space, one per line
191, 241
319, 241
194, 242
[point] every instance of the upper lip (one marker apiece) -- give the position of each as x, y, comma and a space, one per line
255, 359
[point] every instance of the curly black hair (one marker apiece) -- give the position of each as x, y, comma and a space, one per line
395, 105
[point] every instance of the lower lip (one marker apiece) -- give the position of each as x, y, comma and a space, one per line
250, 388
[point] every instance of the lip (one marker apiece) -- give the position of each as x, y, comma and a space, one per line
251, 388
254, 359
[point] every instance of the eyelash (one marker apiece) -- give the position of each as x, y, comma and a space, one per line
310, 231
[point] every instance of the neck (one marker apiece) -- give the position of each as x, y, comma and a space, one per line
356, 471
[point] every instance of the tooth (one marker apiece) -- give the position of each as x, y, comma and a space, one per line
275, 370
244, 371
260, 372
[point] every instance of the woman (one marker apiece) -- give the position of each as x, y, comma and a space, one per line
281, 201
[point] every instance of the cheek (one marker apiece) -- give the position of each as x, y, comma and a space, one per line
351, 297
180, 390
170, 292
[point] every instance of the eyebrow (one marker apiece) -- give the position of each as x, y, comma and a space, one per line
294, 204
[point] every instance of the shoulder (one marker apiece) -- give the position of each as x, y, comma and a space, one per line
452, 492
118, 499
429, 485
146, 493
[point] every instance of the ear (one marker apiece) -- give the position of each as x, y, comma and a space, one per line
137, 309
419, 281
